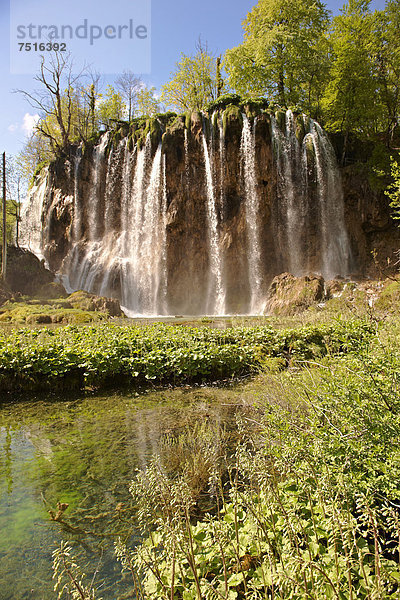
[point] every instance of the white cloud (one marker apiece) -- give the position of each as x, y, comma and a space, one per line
29, 122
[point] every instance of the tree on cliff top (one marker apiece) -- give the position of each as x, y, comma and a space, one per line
56, 100
284, 53
129, 86
351, 102
146, 101
195, 81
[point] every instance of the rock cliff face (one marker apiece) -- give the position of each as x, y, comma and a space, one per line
199, 215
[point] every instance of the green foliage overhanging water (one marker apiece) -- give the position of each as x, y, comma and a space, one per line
109, 354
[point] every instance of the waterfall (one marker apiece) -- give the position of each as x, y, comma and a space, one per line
94, 208
251, 205
335, 248
77, 222
222, 159
197, 223
291, 184
216, 293
31, 227
293, 218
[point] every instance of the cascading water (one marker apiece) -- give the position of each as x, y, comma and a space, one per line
201, 224
222, 160
216, 293
77, 223
334, 239
291, 185
31, 228
293, 194
251, 204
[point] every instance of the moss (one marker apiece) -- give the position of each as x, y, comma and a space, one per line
231, 113
117, 137
166, 118
389, 298
37, 172
254, 106
300, 130
154, 129
280, 117
310, 150
223, 101
178, 122
215, 120
188, 120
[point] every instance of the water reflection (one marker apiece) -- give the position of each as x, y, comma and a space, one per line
84, 452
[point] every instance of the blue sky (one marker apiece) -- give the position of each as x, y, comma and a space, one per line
175, 27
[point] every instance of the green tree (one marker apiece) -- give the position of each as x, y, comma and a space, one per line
351, 102
386, 55
146, 102
194, 83
284, 54
112, 107
393, 191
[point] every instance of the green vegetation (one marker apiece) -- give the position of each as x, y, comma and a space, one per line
284, 54
306, 506
343, 71
104, 354
194, 83
393, 190
309, 512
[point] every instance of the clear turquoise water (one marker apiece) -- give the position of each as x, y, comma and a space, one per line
84, 451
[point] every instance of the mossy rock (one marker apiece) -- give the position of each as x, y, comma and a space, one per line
153, 128
223, 101
51, 291
280, 117
310, 150
306, 123
117, 137
231, 114
196, 124
253, 107
300, 130
39, 319
289, 295
389, 298
176, 124
26, 273
5, 293
166, 118
90, 302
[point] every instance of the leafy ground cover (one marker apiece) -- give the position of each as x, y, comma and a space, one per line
308, 506
102, 354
